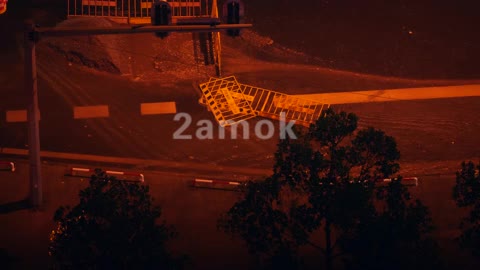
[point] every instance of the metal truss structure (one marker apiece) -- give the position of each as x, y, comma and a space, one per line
232, 102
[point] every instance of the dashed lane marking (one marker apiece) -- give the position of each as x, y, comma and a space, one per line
17, 116
158, 108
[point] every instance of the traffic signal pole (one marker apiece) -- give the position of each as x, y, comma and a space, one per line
32, 36
31, 90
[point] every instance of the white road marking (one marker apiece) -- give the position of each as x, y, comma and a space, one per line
18, 116
472, 90
158, 108
82, 112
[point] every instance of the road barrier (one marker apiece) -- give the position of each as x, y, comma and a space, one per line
127, 176
7, 166
216, 184
407, 181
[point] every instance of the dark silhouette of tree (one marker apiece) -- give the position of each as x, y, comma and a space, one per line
6, 260
113, 227
324, 180
396, 236
467, 194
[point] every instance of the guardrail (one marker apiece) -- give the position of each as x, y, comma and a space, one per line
7, 166
232, 185
127, 176
216, 184
407, 181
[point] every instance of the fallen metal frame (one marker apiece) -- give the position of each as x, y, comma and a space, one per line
232, 102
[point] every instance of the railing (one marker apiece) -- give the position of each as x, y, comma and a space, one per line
133, 10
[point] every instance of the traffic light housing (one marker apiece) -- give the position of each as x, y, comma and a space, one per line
161, 14
233, 11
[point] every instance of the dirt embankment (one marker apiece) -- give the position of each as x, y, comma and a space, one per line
179, 56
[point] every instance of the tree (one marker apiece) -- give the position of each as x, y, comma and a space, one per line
467, 194
113, 227
396, 236
325, 180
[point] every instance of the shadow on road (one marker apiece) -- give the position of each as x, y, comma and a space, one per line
14, 206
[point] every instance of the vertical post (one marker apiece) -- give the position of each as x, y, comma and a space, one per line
217, 44
36, 192
129, 10
135, 8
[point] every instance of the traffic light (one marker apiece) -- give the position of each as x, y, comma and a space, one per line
161, 14
233, 10
3, 6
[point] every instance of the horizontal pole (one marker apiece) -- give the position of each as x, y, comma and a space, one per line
57, 32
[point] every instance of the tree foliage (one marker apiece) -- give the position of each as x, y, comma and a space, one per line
396, 236
467, 194
326, 180
113, 227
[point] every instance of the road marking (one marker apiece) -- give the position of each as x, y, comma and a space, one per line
158, 108
82, 112
472, 90
18, 116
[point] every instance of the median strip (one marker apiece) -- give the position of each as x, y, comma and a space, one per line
126, 176
407, 181
173, 165
216, 184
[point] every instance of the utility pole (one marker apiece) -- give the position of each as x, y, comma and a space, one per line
36, 190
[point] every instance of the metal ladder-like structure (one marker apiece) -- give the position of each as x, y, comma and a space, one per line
232, 102
225, 99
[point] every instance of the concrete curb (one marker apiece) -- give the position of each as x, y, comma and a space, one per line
81, 172
219, 182
407, 181
216, 184
193, 166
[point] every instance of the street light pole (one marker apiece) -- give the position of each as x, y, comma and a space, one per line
36, 190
